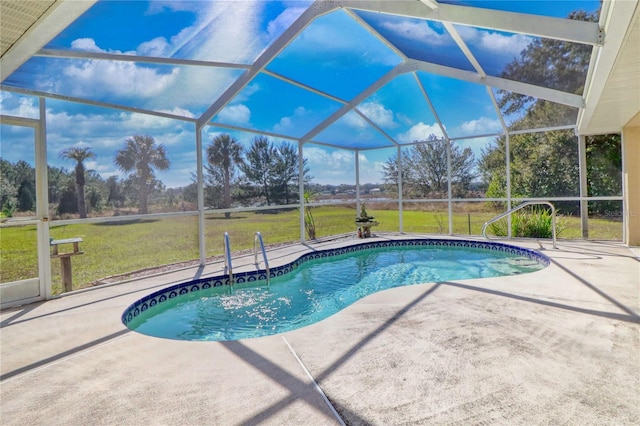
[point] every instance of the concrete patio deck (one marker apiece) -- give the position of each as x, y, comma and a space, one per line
558, 346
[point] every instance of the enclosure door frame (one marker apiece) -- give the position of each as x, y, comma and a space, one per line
38, 288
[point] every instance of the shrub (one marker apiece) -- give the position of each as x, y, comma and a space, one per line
534, 224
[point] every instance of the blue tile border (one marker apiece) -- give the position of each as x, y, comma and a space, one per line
180, 289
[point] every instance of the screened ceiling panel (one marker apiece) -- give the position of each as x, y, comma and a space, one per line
354, 131
499, 54
335, 55
162, 88
219, 31
272, 105
419, 39
494, 50
400, 109
470, 112
553, 115
307, 70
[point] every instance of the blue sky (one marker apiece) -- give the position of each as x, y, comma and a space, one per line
334, 54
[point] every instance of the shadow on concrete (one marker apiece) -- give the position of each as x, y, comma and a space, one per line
62, 355
632, 317
631, 312
286, 380
298, 389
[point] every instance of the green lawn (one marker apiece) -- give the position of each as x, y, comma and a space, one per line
120, 247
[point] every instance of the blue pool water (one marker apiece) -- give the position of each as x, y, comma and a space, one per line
314, 290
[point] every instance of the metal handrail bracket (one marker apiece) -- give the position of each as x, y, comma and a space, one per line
227, 259
258, 239
518, 207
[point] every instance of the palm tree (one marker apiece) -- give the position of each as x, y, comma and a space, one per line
225, 152
138, 158
79, 155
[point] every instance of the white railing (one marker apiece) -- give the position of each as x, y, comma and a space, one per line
258, 239
525, 204
227, 259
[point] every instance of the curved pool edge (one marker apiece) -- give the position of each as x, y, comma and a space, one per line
175, 290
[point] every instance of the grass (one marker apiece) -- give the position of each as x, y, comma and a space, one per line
114, 248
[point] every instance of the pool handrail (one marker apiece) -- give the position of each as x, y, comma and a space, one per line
518, 207
227, 259
258, 239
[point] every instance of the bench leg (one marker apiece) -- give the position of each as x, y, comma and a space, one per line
65, 263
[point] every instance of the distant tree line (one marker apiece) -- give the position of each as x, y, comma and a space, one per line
82, 191
265, 173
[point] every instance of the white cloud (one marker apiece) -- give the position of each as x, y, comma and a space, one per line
370, 171
420, 132
353, 120
493, 42
480, 126
19, 106
328, 166
120, 79
377, 113
85, 44
278, 25
156, 47
287, 125
415, 30
238, 114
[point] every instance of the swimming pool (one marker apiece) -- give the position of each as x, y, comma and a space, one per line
316, 286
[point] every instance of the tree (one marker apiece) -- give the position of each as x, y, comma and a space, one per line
424, 168
223, 154
115, 195
259, 167
23, 176
274, 169
79, 155
542, 164
287, 171
8, 192
550, 63
140, 156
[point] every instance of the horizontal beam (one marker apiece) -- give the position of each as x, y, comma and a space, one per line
81, 54
527, 89
513, 22
95, 103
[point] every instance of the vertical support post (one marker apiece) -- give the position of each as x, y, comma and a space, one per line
507, 153
42, 203
200, 183
301, 190
584, 204
357, 160
400, 203
449, 190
